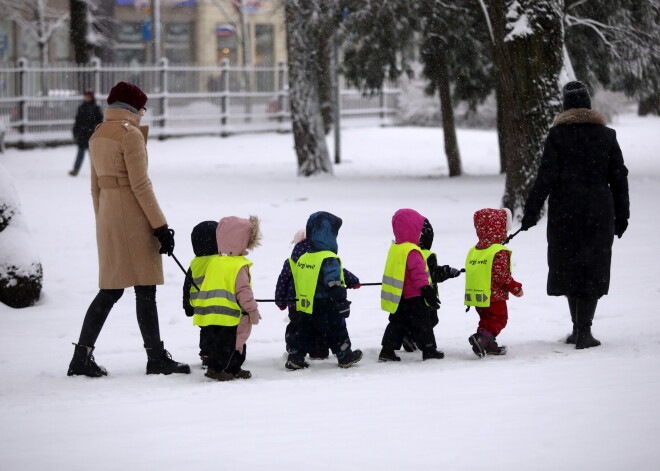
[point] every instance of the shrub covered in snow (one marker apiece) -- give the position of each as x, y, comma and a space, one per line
21, 274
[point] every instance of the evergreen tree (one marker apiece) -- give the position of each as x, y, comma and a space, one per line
615, 44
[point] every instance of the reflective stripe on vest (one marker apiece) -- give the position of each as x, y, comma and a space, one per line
394, 275
215, 303
306, 273
478, 274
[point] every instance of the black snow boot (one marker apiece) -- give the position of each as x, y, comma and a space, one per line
243, 374
388, 355
585, 339
409, 344
296, 361
219, 375
159, 362
584, 316
432, 354
572, 306
83, 363
348, 357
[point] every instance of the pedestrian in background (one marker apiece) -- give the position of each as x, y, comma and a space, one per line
88, 117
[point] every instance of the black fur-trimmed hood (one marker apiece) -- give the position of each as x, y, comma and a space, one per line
580, 116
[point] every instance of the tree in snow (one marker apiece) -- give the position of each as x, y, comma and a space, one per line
616, 44
303, 20
455, 52
527, 40
38, 19
21, 274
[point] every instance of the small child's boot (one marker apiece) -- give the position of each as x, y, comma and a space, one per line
219, 375
296, 360
480, 341
388, 355
432, 354
347, 358
494, 349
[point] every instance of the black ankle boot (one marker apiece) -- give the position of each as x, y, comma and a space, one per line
83, 363
432, 354
584, 339
159, 362
388, 355
572, 338
348, 357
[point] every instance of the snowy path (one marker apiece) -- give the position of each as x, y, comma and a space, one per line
544, 406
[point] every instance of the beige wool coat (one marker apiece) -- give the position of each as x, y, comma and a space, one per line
125, 205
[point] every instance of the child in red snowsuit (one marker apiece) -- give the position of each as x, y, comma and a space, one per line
491, 226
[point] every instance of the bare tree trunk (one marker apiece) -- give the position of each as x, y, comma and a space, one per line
448, 124
528, 47
78, 31
325, 80
302, 18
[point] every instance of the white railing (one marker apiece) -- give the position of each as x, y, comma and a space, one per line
38, 104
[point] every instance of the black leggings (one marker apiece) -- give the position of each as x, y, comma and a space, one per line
147, 315
582, 310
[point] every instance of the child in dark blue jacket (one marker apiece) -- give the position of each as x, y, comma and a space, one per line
285, 294
320, 288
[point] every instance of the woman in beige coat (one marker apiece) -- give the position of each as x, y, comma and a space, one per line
129, 227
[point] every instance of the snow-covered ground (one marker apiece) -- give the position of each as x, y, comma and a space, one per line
543, 406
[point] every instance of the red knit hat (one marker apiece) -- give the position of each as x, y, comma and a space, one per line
128, 93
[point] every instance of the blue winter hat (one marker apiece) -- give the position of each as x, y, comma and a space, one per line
322, 229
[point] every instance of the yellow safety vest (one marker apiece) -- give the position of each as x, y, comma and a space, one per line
215, 303
394, 275
306, 273
198, 269
478, 274
426, 254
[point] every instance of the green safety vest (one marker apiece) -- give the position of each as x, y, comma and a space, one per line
306, 273
394, 275
215, 303
478, 274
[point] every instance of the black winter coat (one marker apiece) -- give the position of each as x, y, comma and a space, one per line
583, 173
88, 116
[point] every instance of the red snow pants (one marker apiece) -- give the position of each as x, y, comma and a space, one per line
494, 317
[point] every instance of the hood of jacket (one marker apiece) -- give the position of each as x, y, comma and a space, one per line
491, 226
235, 236
322, 229
580, 116
203, 239
407, 225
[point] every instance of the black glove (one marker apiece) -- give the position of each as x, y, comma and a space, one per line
528, 221
166, 239
450, 272
620, 226
338, 296
428, 293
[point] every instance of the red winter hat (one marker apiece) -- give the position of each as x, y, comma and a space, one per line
128, 93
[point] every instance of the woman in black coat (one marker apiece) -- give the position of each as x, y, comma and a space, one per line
583, 173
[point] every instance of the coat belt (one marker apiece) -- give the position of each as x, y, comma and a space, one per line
107, 182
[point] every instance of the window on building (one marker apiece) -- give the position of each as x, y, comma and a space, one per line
264, 36
130, 43
7, 47
179, 42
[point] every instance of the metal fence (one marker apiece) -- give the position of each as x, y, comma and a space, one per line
38, 104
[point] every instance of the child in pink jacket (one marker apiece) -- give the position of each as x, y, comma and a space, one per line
408, 294
225, 304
